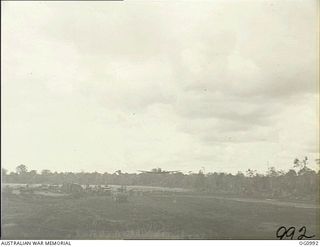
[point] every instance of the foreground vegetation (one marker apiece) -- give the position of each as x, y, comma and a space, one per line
173, 216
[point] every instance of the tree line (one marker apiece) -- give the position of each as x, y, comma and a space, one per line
299, 182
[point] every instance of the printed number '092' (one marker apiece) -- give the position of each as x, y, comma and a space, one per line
308, 242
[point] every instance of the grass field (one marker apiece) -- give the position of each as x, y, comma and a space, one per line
148, 217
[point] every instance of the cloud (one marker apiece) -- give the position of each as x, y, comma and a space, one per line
144, 84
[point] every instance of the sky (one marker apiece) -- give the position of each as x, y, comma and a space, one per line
217, 85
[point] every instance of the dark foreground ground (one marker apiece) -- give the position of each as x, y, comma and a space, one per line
150, 217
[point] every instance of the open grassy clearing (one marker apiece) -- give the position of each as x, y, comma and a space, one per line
147, 217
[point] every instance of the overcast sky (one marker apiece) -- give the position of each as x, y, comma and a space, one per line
102, 86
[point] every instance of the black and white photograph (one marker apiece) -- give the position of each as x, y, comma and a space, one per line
160, 120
